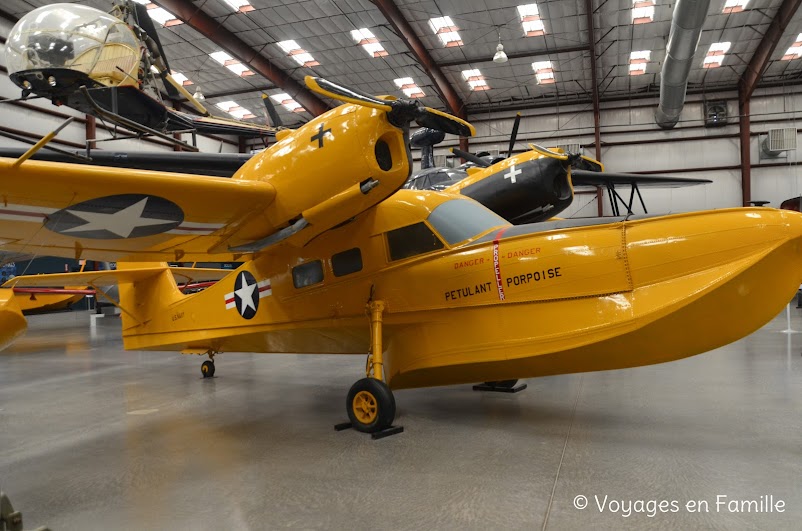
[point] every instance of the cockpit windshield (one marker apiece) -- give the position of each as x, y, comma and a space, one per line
460, 219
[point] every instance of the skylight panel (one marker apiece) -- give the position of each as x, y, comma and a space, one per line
232, 64
159, 14
446, 31
298, 54
234, 109
286, 101
715, 54
530, 20
795, 51
638, 61
642, 11
408, 87
365, 38
181, 78
544, 72
475, 79
734, 6
239, 5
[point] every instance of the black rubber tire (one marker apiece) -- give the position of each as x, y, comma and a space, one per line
504, 384
207, 369
385, 403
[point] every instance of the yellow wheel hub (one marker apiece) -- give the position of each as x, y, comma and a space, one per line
365, 407
205, 369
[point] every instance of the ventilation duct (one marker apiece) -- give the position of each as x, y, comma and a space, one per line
686, 28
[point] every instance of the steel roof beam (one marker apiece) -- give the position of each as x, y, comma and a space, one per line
415, 45
762, 56
519, 55
197, 19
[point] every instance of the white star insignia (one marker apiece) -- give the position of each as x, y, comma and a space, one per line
122, 223
245, 294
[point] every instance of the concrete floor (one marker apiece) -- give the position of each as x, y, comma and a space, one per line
92, 437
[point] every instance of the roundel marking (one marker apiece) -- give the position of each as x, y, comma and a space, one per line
246, 295
117, 217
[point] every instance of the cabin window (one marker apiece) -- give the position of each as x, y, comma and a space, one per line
460, 219
307, 274
412, 240
346, 262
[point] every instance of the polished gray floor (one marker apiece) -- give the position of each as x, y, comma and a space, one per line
92, 437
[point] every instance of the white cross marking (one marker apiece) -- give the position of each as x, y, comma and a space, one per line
513, 172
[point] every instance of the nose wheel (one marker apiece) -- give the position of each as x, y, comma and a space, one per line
207, 369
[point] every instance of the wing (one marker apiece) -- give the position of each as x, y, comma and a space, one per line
127, 215
214, 164
594, 178
222, 126
111, 277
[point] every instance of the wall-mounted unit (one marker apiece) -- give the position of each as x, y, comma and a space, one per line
777, 141
716, 114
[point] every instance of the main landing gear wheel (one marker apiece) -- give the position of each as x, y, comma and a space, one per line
207, 369
370, 405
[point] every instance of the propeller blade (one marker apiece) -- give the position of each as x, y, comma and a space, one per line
275, 119
482, 163
345, 94
514, 134
549, 153
434, 119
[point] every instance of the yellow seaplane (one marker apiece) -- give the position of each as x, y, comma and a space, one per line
434, 288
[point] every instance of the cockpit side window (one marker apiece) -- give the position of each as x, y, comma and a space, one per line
307, 274
412, 240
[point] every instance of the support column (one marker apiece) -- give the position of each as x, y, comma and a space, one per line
746, 154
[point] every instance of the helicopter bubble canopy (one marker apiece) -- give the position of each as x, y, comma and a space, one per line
77, 38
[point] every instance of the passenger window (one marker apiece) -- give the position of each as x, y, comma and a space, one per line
346, 262
412, 240
307, 274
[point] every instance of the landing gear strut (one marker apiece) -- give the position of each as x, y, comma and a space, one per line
370, 403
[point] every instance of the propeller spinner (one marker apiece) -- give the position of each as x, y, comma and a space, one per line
400, 112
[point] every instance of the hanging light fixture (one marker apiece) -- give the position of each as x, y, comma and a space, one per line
500, 56
198, 94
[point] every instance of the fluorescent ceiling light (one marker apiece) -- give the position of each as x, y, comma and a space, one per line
638, 61
365, 38
446, 31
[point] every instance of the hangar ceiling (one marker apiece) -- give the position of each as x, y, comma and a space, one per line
323, 29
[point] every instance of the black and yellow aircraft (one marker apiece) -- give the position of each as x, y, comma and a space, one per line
111, 66
325, 235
